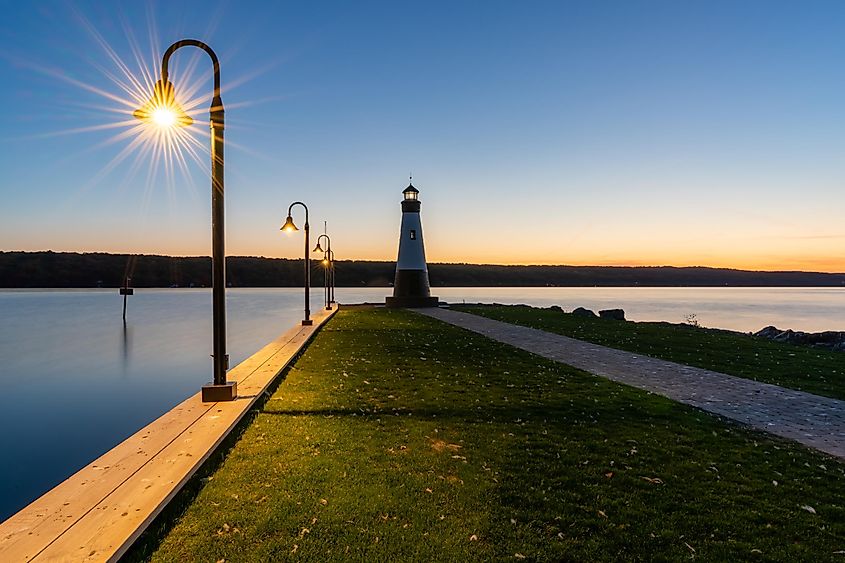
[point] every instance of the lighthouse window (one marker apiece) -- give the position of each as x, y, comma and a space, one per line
413, 234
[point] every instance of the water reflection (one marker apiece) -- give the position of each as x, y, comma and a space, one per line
125, 348
77, 380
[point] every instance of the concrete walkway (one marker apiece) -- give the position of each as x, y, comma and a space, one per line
818, 422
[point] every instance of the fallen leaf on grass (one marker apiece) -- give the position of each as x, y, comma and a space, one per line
609, 475
519, 556
473, 538
809, 509
691, 548
602, 514
653, 480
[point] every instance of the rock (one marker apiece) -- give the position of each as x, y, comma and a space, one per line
829, 339
613, 314
826, 338
582, 312
768, 332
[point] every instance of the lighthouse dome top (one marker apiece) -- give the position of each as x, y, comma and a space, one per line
411, 193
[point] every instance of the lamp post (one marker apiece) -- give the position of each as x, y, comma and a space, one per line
328, 267
331, 276
290, 227
163, 111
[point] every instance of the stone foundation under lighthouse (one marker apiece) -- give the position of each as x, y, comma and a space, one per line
410, 286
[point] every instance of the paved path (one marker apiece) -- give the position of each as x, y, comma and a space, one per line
818, 422
98, 512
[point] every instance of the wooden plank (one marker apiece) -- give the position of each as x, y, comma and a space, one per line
97, 513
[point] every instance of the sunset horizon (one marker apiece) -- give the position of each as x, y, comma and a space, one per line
437, 259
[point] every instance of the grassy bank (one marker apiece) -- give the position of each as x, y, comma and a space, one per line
807, 369
398, 438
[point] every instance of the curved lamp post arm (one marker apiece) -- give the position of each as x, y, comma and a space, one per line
216, 110
165, 60
328, 241
305, 207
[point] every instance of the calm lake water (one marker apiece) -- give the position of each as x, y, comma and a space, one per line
76, 382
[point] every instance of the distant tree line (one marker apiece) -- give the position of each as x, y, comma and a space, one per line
69, 269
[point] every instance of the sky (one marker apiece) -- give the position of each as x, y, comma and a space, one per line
592, 132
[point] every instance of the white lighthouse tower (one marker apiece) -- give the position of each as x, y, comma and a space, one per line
410, 286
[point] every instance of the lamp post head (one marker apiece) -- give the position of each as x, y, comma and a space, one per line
162, 109
318, 248
289, 227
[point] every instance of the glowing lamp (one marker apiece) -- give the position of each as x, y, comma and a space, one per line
162, 109
318, 248
289, 227
411, 193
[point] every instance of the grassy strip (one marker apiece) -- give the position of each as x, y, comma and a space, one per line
797, 367
398, 438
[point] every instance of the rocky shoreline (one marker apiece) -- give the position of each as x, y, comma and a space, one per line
829, 339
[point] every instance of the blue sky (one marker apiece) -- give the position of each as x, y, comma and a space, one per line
707, 133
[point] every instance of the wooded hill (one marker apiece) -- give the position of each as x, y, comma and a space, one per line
69, 269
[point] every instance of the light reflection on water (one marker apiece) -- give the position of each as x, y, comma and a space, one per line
76, 382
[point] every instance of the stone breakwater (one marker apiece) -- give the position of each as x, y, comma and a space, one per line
613, 314
829, 339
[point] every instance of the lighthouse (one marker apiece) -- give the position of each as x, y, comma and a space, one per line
410, 286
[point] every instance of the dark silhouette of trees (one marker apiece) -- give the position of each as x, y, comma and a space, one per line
69, 269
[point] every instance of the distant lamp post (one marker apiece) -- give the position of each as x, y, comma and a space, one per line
163, 111
290, 227
126, 291
331, 276
328, 267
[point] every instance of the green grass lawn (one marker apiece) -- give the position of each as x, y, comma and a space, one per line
798, 367
399, 438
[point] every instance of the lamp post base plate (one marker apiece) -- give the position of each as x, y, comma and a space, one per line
212, 393
307, 322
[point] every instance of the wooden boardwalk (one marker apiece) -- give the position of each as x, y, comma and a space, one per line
97, 513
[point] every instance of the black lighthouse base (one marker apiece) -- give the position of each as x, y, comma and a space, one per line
410, 290
411, 302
